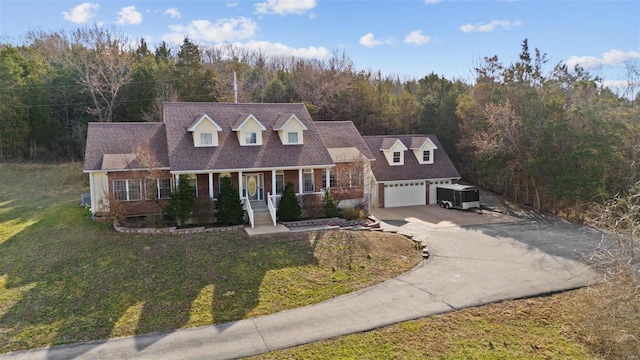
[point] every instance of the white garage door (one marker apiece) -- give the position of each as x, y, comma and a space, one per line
405, 194
433, 193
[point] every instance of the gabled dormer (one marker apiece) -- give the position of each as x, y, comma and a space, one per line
393, 150
423, 149
249, 130
204, 131
290, 129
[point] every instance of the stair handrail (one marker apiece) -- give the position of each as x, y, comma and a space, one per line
272, 209
247, 204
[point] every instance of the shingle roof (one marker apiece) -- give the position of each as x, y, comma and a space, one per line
119, 139
183, 156
342, 135
441, 168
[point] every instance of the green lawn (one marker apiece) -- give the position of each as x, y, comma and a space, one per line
64, 278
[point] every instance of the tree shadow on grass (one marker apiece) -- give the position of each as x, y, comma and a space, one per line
69, 280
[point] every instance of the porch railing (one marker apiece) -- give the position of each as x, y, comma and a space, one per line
247, 206
272, 208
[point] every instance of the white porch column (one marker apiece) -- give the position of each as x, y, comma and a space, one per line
240, 184
211, 186
327, 182
273, 182
92, 188
300, 184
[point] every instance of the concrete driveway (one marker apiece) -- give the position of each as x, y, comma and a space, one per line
472, 263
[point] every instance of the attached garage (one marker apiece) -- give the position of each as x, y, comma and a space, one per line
407, 193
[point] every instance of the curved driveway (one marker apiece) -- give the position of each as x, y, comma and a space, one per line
475, 259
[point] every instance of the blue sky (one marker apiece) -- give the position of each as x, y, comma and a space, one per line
411, 38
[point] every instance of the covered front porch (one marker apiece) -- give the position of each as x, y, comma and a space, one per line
260, 189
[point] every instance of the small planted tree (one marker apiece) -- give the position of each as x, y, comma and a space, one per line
329, 205
230, 211
181, 201
289, 207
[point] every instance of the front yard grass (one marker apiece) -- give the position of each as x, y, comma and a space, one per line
65, 279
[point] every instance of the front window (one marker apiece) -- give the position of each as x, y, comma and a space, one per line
354, 178
426, 156
135, 189
332, 178
308, 181
120, 190
293, 137
252, 138
396, 157
279, 182
127, 190
157, 189
206, 139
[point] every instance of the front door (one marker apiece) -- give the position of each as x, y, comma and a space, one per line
254, 186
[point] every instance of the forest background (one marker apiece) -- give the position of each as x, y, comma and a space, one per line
540, 134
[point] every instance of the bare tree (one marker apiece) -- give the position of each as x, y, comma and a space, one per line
99, 59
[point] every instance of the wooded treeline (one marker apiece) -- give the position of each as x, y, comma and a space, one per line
543, 135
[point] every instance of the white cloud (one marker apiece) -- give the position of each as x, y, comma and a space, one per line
173, 13
278, 49
82, 13
232, 4
416, 37
285, 7
369, 40
612, 57
223, 30
431, 2
129, 16
489, 27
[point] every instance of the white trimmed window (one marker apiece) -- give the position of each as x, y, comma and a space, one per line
426, 156
396, 157
332, 178
157, 188
355, 178
279, 182
206, 139
307, 179
252, 138
292, 137
127, 190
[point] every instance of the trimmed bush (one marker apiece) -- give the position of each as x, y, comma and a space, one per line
288, 207
230, 211
329, 205
181, 201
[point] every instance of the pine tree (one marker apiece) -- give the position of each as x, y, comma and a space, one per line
181, 201
230, 211
329, 205
288, 207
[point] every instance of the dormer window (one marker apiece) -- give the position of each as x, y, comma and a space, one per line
206, 139
423, 149
249, 130
290, 129
393, 150
292, 137
426, 156
204, 131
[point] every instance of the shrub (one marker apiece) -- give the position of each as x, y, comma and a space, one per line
181, 201
352, 214
288, 207
329, 205
230, 211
